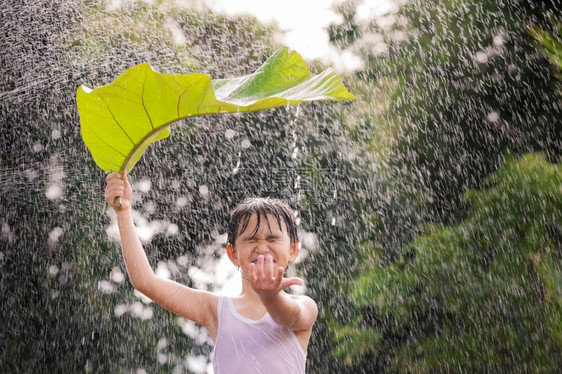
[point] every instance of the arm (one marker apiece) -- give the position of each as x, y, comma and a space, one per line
295, 312
198, 306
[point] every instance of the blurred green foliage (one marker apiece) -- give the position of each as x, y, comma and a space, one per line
463, 273
550, 42
482, 295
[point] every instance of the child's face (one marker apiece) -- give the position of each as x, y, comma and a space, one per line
269, 240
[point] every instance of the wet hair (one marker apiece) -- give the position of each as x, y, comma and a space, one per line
240, 217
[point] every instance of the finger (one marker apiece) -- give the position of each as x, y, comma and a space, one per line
259, 267
287, 282
278, 277
252, 273
110, 176
114, 182
280, 272
113, 189
268, 268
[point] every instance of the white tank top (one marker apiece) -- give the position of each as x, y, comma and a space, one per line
245, 346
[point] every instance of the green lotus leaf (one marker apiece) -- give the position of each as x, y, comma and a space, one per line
120, 120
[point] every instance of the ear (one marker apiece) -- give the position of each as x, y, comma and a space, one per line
231, 252
294, 251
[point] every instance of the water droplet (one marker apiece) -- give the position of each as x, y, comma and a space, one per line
172, 229
204, 191
53, 270
116, 275
481, 57
143, 185
55, 134
493, 117
229, 134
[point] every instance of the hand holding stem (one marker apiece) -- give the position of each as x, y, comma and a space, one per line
118, 192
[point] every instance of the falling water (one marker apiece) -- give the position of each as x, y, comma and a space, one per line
425, 230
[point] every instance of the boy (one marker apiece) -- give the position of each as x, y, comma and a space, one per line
264, 329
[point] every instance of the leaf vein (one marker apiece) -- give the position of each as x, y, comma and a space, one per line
115, 119
142, 101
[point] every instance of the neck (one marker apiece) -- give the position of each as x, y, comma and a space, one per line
248, 292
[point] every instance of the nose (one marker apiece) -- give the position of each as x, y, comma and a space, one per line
261, 247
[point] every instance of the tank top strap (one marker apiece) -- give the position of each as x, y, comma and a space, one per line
222, 302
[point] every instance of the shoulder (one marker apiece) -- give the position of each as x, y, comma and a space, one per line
308, 315
308, 307
193, 304
303, 299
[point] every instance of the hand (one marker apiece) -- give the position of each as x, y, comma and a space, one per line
118, 187
267, 280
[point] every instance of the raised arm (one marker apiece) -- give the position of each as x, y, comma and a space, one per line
196, 305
